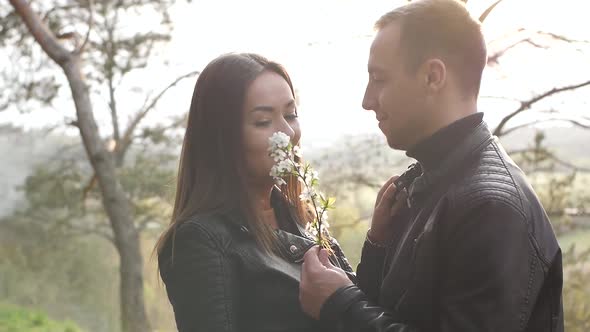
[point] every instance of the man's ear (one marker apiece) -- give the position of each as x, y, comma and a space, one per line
434, 74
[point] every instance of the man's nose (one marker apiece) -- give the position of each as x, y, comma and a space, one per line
369, 101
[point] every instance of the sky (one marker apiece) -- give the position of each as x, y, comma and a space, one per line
324, 45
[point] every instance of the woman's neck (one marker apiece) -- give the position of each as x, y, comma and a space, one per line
261, 203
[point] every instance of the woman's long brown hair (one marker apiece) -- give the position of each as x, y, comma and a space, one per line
209, 172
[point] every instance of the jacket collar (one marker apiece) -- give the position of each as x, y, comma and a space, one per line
292, 245
432, 150
415, 180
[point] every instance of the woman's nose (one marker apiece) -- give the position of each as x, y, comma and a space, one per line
287, 129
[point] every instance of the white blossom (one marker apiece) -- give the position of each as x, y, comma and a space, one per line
279, 141
280, 182
306, 195
297, 151
283, 154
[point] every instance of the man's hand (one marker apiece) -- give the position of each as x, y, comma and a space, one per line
319, 280
385, 209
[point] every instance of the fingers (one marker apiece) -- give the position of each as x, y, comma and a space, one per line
311, 254
311, 260
387, 197
324, 257
399, 203
385, 186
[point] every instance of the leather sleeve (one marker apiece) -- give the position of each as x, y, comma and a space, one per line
487, 279
370, 270
340, 260
200, 281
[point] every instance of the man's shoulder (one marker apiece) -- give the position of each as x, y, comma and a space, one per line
494, 186
491, 176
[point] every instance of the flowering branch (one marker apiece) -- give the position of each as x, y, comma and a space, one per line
284, 153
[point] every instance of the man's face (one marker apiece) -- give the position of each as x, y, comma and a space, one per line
394, 93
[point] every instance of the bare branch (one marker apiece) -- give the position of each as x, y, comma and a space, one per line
527, 104
90, 26
553, 157
493, 59
532, 123
562, 38
56, 8
91, 183
568, 164
176, 81
500, 98
113, 108
179, 122
123, 144
487, 12
506, 35
40, 32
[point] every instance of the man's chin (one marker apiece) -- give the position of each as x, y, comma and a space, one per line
395, 144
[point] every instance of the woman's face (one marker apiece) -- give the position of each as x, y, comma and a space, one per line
269, 107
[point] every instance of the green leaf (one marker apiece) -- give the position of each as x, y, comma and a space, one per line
323, 200
331, 202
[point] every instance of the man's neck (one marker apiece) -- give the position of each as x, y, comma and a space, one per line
446, 113
431, 150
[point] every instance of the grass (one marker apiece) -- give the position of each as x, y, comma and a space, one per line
580, 238
17, 319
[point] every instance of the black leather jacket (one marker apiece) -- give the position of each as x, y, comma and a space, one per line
218, 280
474, 251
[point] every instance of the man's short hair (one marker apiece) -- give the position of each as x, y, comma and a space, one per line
443, 29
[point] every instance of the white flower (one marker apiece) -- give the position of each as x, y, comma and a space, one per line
278, 155
278, 141
283, 155
306, 194
279, 181
285, 167
313, 231
274, 171
324, 217
315, 175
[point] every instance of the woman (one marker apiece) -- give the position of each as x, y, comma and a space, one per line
231, 257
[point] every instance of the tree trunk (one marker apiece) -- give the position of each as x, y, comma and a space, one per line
115, 201
116, 205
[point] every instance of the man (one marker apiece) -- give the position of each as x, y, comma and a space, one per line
467, 245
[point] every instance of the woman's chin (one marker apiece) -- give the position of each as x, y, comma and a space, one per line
261, 181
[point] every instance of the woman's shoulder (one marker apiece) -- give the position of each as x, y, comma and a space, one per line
213, 227
201, 235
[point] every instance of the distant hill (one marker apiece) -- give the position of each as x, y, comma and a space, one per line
569, 143
20, 151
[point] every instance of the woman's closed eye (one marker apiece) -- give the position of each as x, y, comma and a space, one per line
262, 123
291, 116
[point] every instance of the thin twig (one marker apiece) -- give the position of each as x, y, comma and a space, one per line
90, 26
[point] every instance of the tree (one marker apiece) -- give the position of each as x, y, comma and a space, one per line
95, 61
